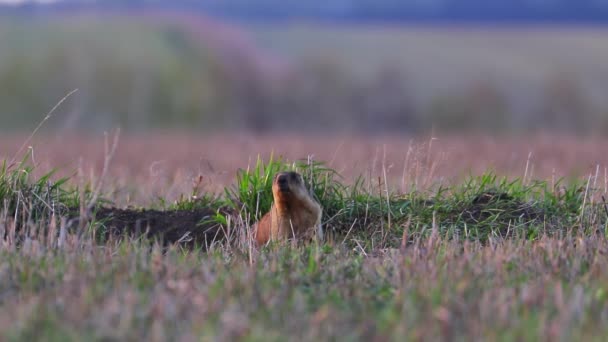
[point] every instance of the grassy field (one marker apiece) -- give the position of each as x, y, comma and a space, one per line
195, 73
444, 58
477, 257
458, 77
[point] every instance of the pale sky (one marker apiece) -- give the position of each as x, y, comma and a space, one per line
15, 2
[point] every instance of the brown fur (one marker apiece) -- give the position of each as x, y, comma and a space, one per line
294, 213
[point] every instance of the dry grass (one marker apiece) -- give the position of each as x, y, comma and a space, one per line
149, 166
552, 288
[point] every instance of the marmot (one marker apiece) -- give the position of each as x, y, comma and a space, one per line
294, 213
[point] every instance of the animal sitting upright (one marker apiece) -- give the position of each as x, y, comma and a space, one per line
294, 213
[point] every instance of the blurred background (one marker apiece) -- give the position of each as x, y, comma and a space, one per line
317, 66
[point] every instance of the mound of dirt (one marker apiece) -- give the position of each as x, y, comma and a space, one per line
500, 210
188, 227
490, 203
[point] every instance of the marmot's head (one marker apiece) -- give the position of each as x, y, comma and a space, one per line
289, 187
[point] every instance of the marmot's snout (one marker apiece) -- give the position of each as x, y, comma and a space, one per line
283, 182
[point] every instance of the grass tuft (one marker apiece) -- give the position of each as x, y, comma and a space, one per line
26, 198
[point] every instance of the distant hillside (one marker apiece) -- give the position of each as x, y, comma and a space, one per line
487, 11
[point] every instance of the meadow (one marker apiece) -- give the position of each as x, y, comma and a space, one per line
203, 75
421, 244
462, 172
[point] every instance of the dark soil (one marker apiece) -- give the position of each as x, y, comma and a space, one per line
188, 227
500, 210
488, 204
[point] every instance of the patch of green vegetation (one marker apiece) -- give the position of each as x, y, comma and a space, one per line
33, 199
252, 193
